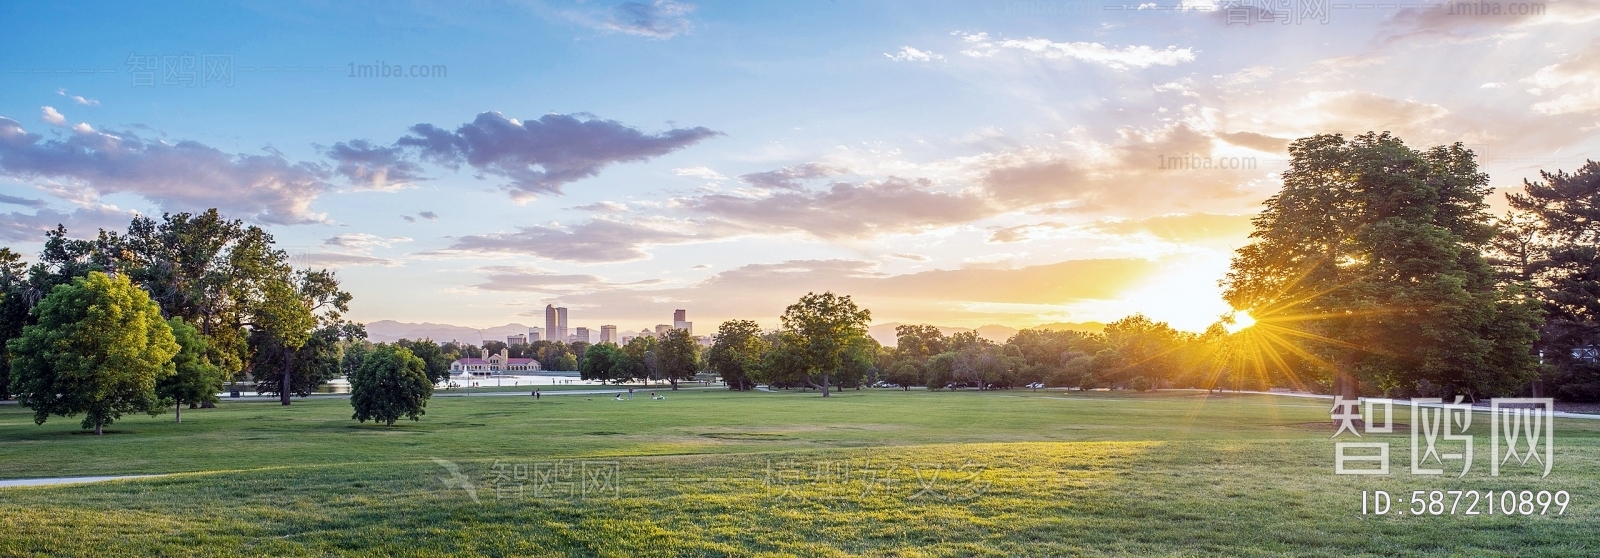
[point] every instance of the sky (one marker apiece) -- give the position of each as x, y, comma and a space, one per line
956, 163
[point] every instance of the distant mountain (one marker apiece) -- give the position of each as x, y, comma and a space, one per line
388, 331
884, 333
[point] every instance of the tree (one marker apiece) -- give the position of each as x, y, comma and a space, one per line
99, 348
194, 380
354, 354
1144, 348
1550, 246
677, 357
391, 384
604, 363
297, 331
736, 353
905, 373
827, 328
919, 341
14, 305
1370, 261
436, 361
639, 350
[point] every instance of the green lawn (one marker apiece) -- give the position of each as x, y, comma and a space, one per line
881, 473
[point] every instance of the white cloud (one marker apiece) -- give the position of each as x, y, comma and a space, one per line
700, 172
1134, 56
910, 54
49, 114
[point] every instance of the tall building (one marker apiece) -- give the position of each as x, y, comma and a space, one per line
550, 323
608, 334
581, 334
518, 339
561, 324
680, 320
534, 335
662, 329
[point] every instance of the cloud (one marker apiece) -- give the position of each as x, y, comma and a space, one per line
844, 209
1134, 56
336, 260
182, 176
597, 241
429, 215
1124, 176
660, 19
700, 172
912, 257
1184, 227
79, 99
49, 114
408, 218
1000, 235
375, 167
909, 54
540, 156
1258, 142
81, 223
25, 202
363, 242
790, 178
1576, 79
762, 290
603, 207
529, 279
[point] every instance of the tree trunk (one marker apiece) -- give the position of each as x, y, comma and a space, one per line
825, 384
179, 409
674, 384
288, 374
97, 429
391, 422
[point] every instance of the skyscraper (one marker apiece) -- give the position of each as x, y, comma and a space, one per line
680, 320
550, 323
608, 334
581, 335
535, 334
561, 324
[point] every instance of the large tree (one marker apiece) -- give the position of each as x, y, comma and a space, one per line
437, 361
194, 379
828, 329
736, 353
1551, 245
604, 363
296, 332
391, 384
677, 357
1369, 260
14, 305
99, 348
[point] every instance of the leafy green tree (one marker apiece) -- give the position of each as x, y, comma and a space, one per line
639, 351
99, 348
391, 384
604, 363
1370, 261
1144, 348
905, 373
194, 380
355, 353
14, 305
919, 342
828, 328
736, 353
298, 331
678, 357
434, 356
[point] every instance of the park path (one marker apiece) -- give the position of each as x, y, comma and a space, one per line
67, 480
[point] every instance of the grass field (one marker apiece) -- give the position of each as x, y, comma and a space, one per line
882, 473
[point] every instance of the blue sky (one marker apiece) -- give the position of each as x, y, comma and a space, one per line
959, 163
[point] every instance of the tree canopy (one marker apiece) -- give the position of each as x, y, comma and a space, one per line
98, 349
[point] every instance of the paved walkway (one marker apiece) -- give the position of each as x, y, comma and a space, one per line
67, 480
